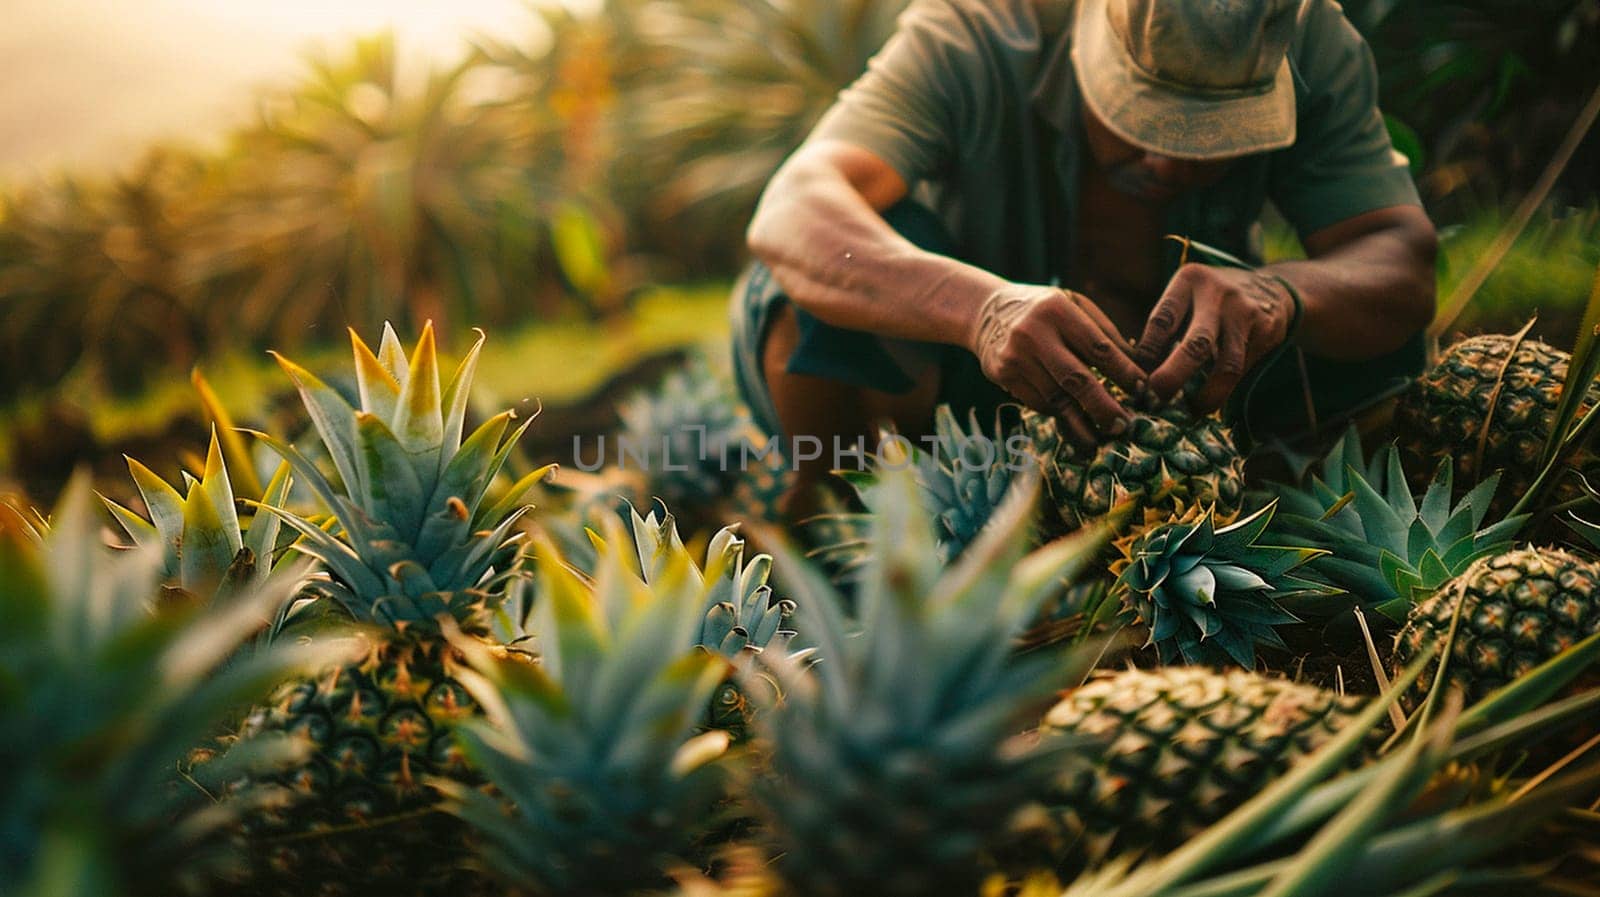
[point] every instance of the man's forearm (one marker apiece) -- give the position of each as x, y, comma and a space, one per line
1366, 297
836, 258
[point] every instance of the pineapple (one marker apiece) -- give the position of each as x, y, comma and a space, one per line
889, 764
1167, 460
1382, 546
416, 544
1449, 414
739, 617
1517, 610
1209, 594
1416, 820
691, 444
106, 688
595, 746
1176, 750
207, 556
962, 480
742, 618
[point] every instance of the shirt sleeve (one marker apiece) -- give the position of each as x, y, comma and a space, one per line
908, 105
1342, 162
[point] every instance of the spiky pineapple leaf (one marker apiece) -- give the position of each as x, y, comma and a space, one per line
334, 419
233, 448
377, 387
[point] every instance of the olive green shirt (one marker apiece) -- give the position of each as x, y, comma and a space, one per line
969, 100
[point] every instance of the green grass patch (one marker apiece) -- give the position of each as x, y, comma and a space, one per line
552, 362
562, 362
1548, 271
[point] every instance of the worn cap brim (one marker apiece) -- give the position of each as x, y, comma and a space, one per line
1169, 119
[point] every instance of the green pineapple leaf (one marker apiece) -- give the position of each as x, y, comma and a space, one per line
889, 760
106, 691
1209, 594
595, 745
1385, 548
205, 552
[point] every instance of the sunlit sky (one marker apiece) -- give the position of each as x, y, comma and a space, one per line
86, 84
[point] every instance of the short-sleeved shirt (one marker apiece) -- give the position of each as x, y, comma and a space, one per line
969, 99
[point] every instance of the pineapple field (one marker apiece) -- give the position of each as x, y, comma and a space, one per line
385, 655
379, 515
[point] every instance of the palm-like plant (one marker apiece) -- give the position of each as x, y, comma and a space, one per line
738, 87
107, 261
405, 203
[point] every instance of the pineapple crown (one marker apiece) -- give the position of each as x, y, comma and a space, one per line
205, 551
106, 689
418, 539
1383, 547
920, 697
683, 428
1210, 594
740, 615
595, 745
741, 621
962, 481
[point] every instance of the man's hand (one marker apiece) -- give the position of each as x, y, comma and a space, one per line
1043, 344
1235, 318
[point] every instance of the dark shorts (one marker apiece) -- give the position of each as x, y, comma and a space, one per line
852, 356
1272, 402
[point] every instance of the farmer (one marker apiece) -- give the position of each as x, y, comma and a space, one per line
988, 215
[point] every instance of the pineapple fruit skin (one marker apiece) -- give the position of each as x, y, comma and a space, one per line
359, 816
1519, 609
1444, 414
1168, 459
1179, 748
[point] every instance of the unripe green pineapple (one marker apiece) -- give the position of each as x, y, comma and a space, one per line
1448, 413
1175, 750
1518, 610
416, 543
1167, 459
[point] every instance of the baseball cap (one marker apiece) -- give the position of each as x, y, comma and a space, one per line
1190, 79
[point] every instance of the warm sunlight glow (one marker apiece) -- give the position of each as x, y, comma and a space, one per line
93, 81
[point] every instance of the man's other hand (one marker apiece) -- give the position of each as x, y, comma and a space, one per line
1235, 317
1043, 345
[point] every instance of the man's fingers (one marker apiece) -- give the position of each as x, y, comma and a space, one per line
1198, 346
1042, 401
1090, 308
1081, 387
1077, 429
1165, 318
1101, 345
1232, 362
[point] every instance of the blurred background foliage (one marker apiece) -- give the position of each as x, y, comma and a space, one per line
1479, 94
555, 177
